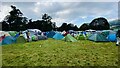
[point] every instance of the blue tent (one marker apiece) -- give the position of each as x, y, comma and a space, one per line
58, 36
8, 40
112, 37
16, 36
51, 34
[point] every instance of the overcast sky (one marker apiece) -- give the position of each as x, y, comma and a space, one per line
68, 12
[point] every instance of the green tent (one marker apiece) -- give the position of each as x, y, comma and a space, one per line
69, 38
21, 39
34, 38
89, 34
12, 33
80, 37
98, 37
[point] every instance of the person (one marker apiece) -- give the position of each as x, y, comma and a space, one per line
28, 36
118, 37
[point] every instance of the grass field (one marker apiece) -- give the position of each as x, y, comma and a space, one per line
59, 53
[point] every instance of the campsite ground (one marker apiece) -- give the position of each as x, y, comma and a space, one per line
59, 53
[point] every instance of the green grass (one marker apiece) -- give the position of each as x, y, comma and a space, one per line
59, 53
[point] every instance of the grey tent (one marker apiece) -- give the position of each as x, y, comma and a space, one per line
40, 37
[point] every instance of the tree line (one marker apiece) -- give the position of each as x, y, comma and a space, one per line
15, 21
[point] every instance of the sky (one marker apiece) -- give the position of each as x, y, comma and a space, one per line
64, 12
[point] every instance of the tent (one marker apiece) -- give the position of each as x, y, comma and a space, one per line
12, 33
17, 35
89, 34
40, 37
1, 38
43, 33
8, 40
80, 37
33, 30
34, 38
58, 36
1, 33
65, 33
98, 37
112, 37
68, 37
32, 33
4, 33
51, 34
21, 39
105, 33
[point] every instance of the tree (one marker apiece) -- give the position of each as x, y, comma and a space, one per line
15, 19
70, 27
47, 18
84, 27
99, 24
63, 27
5, 26
75, 28
47, 24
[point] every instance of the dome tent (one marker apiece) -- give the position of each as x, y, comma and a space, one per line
21, 39
13, 33
98, 37
80, 37
112, 37
32, 32
34, 38
69, 38
58, 36
51, 34
8, 40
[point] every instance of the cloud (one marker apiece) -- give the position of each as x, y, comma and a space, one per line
36, 10
59, 21
59, 0
83, 17
69, 12
4, 11
76, 12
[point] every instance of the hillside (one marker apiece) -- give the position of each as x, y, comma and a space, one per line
115, 24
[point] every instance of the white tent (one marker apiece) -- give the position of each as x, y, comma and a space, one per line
4, 33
